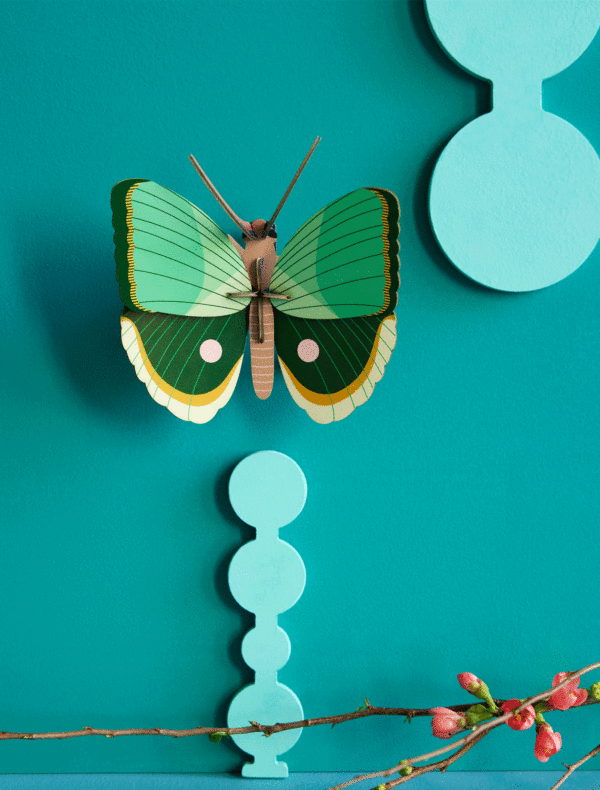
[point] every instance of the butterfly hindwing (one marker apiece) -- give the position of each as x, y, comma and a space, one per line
332, 366
171, 257
343, 262
189, 364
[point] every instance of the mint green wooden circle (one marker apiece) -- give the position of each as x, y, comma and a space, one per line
267, 704
515, 196
266, 648
267, 489
514, 206
267, 576
514, 39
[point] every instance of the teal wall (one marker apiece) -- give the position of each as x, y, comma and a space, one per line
451, 522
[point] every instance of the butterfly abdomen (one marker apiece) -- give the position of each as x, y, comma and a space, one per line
262, 354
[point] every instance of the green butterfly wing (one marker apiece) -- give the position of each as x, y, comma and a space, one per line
336, 333
343, 262
331, 366
171, 257
189, 364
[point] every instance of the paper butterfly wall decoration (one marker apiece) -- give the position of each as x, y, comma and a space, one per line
192, 293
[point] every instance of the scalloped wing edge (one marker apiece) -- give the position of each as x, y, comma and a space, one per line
193, 408
362, 387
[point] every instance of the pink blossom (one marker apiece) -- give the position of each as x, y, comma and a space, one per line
520, 721
469, 681
568, 697
547, 743
446, 722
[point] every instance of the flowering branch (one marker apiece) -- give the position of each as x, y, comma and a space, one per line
476, 734
266, 729
480, 719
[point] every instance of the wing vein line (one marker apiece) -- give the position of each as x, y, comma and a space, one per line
196, 228
204, 365
183, 367
289, 247
186, 282
292, 264
233, 275
337, 371
327, 392
145, 343
347, 263
336, 285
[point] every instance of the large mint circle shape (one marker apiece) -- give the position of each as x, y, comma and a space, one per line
267, 489
267, 704
515, 196
516, 207
509, 40
267, 577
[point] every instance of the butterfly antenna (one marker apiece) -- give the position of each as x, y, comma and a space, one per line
291, 186
245, 228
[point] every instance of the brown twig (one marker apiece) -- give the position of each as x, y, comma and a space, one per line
575, 766
267, 729
270, 729
439, 766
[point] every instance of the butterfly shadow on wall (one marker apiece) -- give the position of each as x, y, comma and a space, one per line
63, 272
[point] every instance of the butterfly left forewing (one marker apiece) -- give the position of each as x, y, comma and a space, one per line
188, 364
171, 257
336, 332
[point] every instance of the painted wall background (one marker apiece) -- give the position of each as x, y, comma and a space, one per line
451, 523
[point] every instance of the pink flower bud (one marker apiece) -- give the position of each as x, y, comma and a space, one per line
547, 743
446, 722
520, 721
469, 681
568, 697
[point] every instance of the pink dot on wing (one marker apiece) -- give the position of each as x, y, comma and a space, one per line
308, 350
211, 351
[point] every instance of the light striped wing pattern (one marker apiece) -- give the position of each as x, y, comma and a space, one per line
343, 262
171, 257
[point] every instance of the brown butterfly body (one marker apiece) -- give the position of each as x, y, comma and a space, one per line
259, 257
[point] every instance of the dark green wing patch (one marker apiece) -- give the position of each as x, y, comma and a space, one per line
189, 364
331, 366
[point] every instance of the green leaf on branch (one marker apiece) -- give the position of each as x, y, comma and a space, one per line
216, 737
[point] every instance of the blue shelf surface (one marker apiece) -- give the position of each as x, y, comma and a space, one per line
465, 780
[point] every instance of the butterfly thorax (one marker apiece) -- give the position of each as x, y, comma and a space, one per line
259, 257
